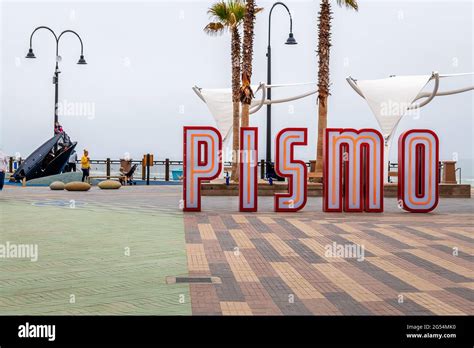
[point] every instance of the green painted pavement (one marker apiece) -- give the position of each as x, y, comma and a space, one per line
82, 256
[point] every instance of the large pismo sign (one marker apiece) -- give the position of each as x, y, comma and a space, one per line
353, 169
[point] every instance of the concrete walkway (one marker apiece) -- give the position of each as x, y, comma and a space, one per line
109, 252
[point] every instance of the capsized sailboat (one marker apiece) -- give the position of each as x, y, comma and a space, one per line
49, 159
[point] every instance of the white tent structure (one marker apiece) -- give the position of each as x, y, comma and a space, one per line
219, 103
392, 98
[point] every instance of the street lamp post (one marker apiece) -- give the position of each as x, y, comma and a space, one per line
58, 59
290, 41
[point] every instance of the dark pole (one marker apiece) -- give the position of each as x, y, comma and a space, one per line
108, 168
269, 165
167, 169
269, 111
56, 94
148, 169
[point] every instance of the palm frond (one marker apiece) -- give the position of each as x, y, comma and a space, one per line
349, 4
237, 8
229, 13
214, 28
219, 12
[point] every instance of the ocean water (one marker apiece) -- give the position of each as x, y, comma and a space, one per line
467, 171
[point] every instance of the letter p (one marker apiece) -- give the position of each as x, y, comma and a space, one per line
202, 161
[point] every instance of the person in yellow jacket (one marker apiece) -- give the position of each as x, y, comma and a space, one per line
85, 165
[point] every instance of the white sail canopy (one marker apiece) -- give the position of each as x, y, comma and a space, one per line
219, 103
390, 98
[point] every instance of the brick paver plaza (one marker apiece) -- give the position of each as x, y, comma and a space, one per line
110, 252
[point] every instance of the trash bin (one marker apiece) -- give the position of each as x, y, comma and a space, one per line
177, 174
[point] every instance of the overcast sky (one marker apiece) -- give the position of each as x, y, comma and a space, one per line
144, 57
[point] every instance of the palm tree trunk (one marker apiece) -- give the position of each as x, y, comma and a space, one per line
324, 46
246, 93
245, 115
236, 62
322, 125
235, 141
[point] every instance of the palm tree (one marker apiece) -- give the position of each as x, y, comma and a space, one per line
324, 45
228, 15
246, 93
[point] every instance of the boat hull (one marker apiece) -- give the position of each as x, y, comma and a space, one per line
48, 159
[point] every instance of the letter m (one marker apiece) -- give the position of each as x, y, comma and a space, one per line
353, 170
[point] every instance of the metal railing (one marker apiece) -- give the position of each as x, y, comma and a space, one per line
460, 174
392, 166
161, 169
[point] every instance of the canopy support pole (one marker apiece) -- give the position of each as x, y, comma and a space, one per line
386, 158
